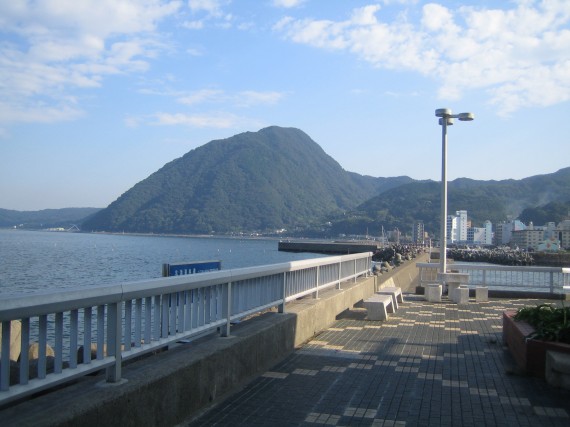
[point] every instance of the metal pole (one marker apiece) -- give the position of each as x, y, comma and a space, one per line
443, 239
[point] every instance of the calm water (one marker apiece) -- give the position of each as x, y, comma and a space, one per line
36, 260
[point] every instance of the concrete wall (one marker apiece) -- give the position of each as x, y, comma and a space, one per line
169, 387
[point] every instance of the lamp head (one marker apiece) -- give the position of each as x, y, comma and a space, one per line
442, 112
466, 117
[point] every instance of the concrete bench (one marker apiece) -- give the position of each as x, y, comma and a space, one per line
461, 295
557, 369
481, 294
395, 293
378, 306
433, 292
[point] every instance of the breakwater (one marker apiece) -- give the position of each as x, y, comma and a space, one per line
508, 256
327, 247
552, 259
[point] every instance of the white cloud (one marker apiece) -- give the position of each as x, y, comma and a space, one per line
193, 25
218, 120
519, 56
365, 15
223, 120
288, 3
132, 121
209, 11
38, 113
201, 96
56, 46
194, 51
248, 98
212, 7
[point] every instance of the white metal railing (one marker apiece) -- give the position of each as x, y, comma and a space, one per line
118, 322
539, 279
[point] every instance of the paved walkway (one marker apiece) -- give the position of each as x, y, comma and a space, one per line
427, 365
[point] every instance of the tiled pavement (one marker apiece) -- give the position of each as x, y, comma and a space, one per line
427, 365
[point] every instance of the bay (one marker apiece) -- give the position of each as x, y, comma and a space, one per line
33, 261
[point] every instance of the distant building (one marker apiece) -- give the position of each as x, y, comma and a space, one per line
476, 235
549, 245
550, 231
480, 235
563, 231
530, 238
504, 230
457, 226
418, 233
488, 232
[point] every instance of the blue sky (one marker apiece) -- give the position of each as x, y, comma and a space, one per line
96, 95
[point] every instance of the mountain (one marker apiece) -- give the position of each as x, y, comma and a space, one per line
47, 218
550, 212
279, 178
484, 200
256, 181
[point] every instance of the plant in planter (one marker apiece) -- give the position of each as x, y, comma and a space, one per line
550, 323
531, 332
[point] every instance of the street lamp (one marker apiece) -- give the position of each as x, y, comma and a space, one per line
446, 119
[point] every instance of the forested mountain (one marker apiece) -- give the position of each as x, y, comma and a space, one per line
279, 178
484, 200
46, 218
255, 181
550, 212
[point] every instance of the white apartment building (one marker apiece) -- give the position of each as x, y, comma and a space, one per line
457, 226
481, 235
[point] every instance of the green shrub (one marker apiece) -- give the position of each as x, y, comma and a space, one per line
551, 323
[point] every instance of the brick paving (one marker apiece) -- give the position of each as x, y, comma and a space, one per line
427, 365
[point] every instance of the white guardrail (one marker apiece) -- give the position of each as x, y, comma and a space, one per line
535, 279
140, 317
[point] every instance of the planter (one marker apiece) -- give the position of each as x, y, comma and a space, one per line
529, 354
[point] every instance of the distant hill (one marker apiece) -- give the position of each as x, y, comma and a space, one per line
550, 212
47, 218
279, 178
483, 200
255, 181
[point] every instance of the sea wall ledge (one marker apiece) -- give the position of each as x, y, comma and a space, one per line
169, 387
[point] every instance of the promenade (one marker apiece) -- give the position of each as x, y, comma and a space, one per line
429, 364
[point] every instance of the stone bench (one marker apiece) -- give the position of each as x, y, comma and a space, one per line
395, 293
557, 369
378, 306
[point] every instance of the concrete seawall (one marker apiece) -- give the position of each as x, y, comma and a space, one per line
169, 387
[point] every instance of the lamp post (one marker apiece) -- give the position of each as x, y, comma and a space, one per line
446, 119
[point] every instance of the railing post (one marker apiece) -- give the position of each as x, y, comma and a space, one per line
551, 282
114, 324
339, 274
354, 272
24, 356
281, 307
42, 351
227, 310
317, 283
73, 328
5, 374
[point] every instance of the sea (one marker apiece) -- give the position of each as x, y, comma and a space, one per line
33, 261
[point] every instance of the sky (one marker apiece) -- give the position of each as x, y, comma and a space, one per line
96, 95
